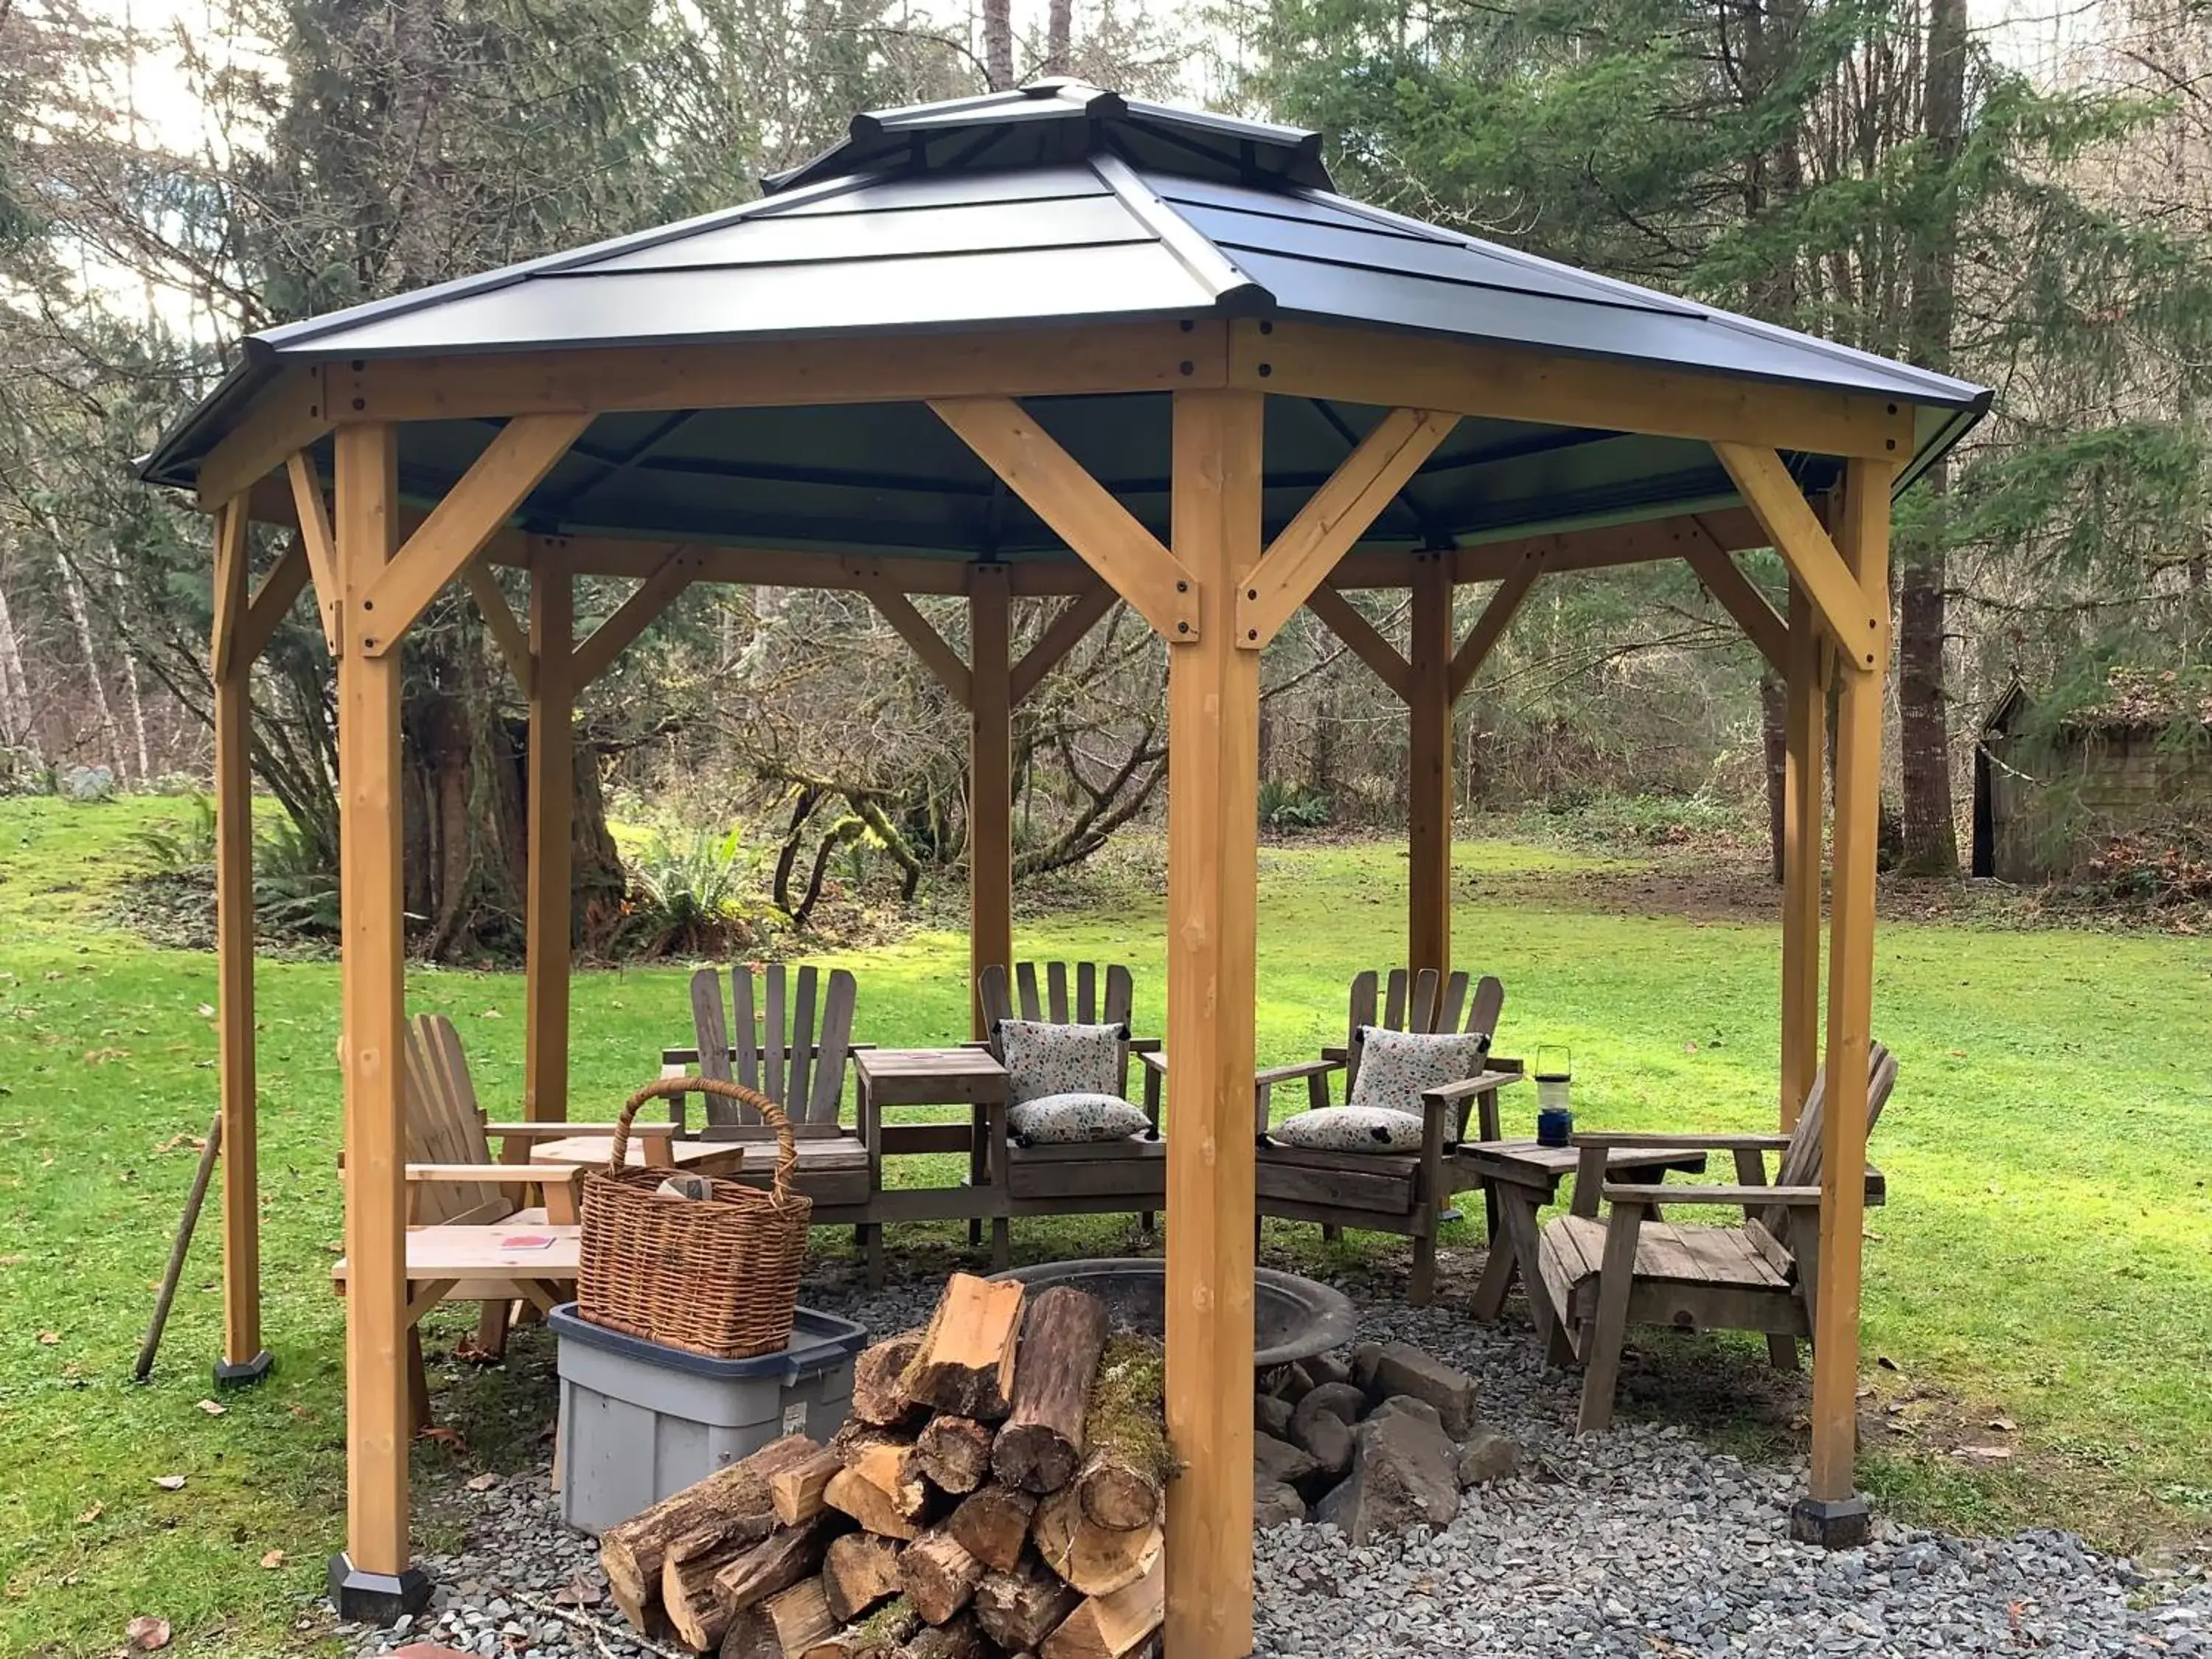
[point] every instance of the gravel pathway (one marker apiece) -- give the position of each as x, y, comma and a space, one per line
1641, 1543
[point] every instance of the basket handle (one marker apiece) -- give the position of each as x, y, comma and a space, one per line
666, 1088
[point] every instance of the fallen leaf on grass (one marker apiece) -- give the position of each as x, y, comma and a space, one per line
206, 1010
274, 1559
2002, 1425
49, 1339
483, 1482
212, 1409
170, 1482
300, 1413
1983, 1454
449, 1438
146, 1634
491, 1013
1886, 1362
89, 1517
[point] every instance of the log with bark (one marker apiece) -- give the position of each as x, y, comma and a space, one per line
785, 1626
796, 1492
858, 1570
690, 1567
1019, 1609
965, 1362
962, 1638
879, 1394
631, 1553
993, 1524
877, 1636
1041, 1447
776, 1564
1124, 1472
939, 1575
955, 1453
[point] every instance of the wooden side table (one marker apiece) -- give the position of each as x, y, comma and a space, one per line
966, 1077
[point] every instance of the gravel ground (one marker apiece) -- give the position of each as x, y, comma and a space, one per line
1640, 1542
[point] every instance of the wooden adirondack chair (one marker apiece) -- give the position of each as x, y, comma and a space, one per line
1115, 1177
464, 1204
790, 1043
1632, 1267
1398, 1193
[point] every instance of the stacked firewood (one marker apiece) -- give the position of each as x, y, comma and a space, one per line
997, 1490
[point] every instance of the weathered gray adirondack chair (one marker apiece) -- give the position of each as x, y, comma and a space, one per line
1632, 1267
790, 1044
1114, 1177
1404, 1193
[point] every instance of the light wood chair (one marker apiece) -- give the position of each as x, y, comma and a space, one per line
1402, 1193
1114, 1178
1602, 1274
790, 1041
467, 1209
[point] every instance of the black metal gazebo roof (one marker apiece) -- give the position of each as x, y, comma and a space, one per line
1055, 204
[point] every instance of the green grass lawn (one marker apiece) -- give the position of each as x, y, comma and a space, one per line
2047, 1255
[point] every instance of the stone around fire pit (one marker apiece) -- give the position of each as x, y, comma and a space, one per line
1404, 1474
1402, 1369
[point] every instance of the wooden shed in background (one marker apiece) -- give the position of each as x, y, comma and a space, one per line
2048, 797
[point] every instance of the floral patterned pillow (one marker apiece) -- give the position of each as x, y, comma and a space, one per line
1351, 1129
1397, 1068
1067, 1119
1042, 1059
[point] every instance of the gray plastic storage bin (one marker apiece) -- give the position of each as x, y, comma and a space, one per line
639, 1421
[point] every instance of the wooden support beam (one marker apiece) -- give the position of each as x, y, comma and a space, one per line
1360, 639
380, 1423
1429, 785
631, 618
288, 416
551, 806
1213, 736
312, 518
1732, 589
1334, 517
1066, 631
500, 621
990, 783
1081, 510
926, 643
1471, 377
1865, 541
1490, 627
462, 522
1861, 631
1079, 359
272, 601
234, 946
1803, 804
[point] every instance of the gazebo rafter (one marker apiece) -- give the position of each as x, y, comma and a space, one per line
1138, 295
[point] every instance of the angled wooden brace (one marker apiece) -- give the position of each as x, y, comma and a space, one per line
460, 523
632, 617
1490, 627
1336, 515
1360, 638
1861, 630
285, 419
1081, 510
940, 658
317, 543
505, 628
1765, 628
1076, 618
271, 601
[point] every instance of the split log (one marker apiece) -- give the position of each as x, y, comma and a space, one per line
1113, 1626
1063, 1336
694, 1607
955, 1452
993, 1525
876, 1636
775, 1564
785, 1626
1097, 1560
879, 1394
632, 1551
960, 1639
1124, 1476
897, 1512
965, 1364
858, 1571
939, 1575
1019, 1609
796, 1492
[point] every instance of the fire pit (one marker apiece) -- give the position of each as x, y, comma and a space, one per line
1294, 1318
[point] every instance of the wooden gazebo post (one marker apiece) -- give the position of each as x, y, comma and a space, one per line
548, 897
990, 781
1429, 775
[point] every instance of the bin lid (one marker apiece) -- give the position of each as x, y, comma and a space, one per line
819, 1342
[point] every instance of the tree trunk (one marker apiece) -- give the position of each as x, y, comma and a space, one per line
998, 44
1059, 15
81, 620
1774, 733
1931, 844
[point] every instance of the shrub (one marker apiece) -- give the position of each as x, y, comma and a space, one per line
295, 882
172, 849
1285, 809
696, 899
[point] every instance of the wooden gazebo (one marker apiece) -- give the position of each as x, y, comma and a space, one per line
1046, 342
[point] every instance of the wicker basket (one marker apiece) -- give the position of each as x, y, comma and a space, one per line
717, 1276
